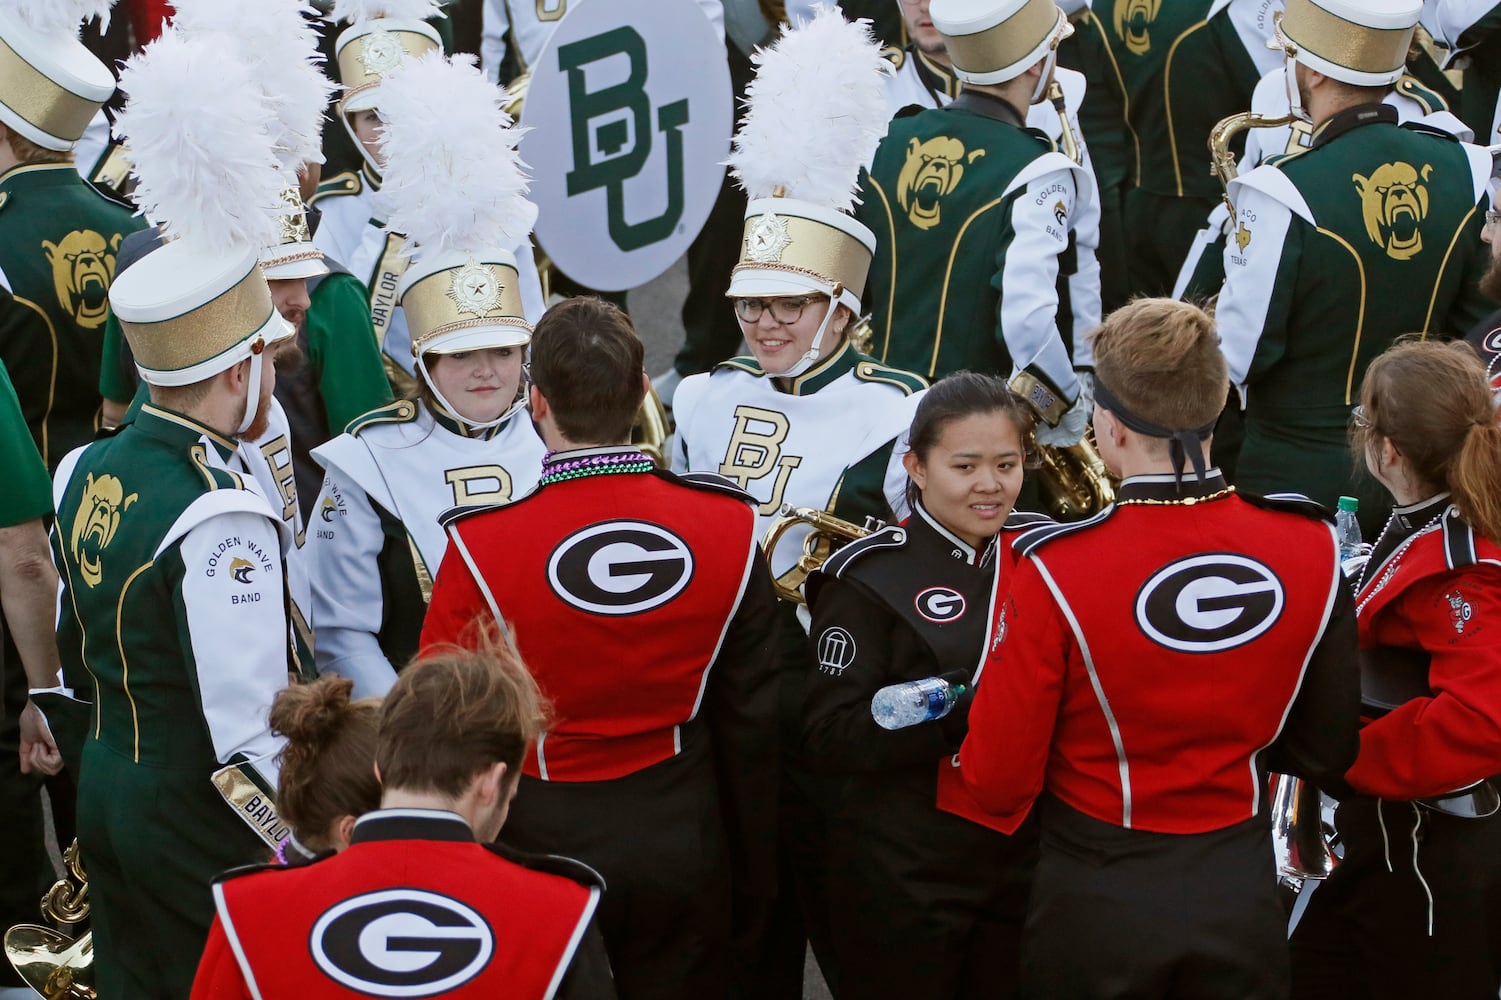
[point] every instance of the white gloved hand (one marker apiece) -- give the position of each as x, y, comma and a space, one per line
1070, 429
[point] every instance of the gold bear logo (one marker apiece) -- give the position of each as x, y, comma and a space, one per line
83, 265
1133, 22
95, 524
1394, 201
933, 169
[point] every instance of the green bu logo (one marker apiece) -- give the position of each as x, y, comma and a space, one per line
609, 138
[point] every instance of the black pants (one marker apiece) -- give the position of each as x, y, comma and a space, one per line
1366, 930
1131, 914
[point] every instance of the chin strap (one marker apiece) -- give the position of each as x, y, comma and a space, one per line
253, 389
1289, 70
1049, 66
810, 357
479, 425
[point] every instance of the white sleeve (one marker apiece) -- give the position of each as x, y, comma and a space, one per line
1253, 21
1245, 304
532, 303
1085, 283
1029, 279
232, 599
343, 547
496, 21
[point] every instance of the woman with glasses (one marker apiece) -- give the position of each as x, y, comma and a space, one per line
911, 858
1414, 908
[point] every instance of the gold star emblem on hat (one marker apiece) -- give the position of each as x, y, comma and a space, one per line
475, 289
380, 52
767, 239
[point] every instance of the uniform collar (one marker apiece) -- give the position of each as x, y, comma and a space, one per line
370, 177
988, 106
843, 360
38, 175
454, 425
936, 77
958, 548
1351, 119
176, 429
411, 824
1165, 488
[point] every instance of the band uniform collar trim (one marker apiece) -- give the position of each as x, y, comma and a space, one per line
988, 106
961, 549
451, 423
1417, 515
1351, 119
370, 177
1166, 487
830, 368
572, 453
160, 420
411, 824
50, 171
934, 74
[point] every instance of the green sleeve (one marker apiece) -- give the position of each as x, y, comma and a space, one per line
28, 495
113, 383
343, 352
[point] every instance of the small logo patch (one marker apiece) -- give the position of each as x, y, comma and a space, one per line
940, 604
401, 943
836, 651
1460, 611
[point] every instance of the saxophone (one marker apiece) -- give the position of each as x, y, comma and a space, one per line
1223, 164
56, 966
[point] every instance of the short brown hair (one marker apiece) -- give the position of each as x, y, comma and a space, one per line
587, 362
456, 712
1161, 358
29, 152
1433, 402
328, 765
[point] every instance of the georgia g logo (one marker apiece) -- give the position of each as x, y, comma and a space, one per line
1209, 603
940, 604
401, 943
620, 568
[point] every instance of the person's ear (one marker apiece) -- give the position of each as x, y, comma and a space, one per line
536, 401
915, 469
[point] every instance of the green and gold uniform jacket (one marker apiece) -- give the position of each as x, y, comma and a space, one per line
1372, 233
58, 238
971, 212
28, 490
173, 600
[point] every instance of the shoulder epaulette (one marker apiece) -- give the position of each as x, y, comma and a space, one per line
1410, 87
1422, 128
1043, 138
874, 371
1459, 541
713, 482
744, 364
349, 182
1023, 520
1289, 503
550, 864
400, 412
1031, 539
892, 537
896, 55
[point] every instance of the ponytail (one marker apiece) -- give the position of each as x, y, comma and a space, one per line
1475, 477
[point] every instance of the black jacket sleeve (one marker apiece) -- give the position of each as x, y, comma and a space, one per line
741, 711
1321, 737
588, 976
839, 734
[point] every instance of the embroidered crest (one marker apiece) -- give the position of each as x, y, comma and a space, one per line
767, 239
381, 52
1460, 611
836, 651
1133, 23
95, 524
1394, 201
475, 288
1243, 237
83, 265
932, 170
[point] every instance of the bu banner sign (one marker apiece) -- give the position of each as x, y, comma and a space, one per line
630, 109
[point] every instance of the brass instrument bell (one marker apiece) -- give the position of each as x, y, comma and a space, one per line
56, 966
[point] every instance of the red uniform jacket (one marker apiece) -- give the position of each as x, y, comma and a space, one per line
1440, 598
414, 907
1154, 655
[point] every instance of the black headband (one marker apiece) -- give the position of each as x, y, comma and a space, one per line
1184, 443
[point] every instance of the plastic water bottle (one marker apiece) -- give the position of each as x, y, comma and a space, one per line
1353, 550
901, 705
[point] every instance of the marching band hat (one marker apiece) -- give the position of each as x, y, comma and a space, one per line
462, 302
50, 85
191, 310
293, 256
992, 41
367, 52
1359, 42
793, 247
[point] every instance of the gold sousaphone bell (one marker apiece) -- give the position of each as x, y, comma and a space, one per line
53, 964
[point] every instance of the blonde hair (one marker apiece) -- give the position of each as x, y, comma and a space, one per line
1161, 358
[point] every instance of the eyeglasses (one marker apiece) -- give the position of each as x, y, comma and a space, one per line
1359, 419
1493, 218
784, 310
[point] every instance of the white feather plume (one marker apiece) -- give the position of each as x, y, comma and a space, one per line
454, 181
280, 47
57, 17
206, 168
817, 111
357, 11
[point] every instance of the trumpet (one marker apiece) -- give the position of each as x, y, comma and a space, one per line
829, 534
56, 966
1298, 842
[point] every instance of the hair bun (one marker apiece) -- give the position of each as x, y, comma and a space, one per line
307, 714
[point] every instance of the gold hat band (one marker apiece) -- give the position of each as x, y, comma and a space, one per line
1345, 43
437, 304
361, 66
1004, 44
807, 247
39, 101
205, 331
